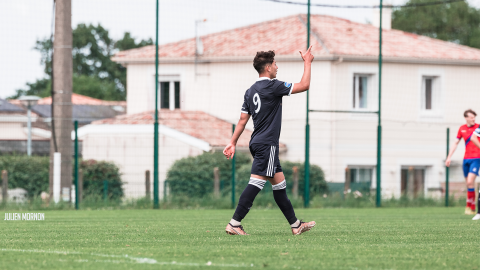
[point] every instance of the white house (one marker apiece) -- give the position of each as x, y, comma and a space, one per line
427, 84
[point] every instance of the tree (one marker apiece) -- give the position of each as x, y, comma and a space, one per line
94, 73
456, 22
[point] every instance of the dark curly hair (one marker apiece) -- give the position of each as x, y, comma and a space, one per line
262, 59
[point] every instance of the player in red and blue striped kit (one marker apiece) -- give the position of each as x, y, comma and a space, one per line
471, 160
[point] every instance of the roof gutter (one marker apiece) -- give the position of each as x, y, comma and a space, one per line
291, 58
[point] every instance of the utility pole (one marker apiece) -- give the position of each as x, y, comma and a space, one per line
62, 97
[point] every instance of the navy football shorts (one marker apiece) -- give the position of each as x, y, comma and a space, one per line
471, 165
265, 160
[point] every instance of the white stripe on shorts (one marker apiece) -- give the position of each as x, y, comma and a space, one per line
271, 162
269, 167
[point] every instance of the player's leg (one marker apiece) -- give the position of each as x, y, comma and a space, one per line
279, 187
472, 175
466, 172
257, 180
473, 166
471, 190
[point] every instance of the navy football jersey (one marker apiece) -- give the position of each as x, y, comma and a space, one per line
263, 101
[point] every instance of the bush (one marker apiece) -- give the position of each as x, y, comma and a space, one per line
193, 176
318, 185
30, 173
95, 172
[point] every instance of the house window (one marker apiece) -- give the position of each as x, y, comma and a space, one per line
360, 91
165, 95
412, 182
430, 94
170, 95
361, 174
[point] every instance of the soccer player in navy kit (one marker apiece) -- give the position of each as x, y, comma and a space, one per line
263, 101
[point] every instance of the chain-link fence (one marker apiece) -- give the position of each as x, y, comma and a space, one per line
362, 109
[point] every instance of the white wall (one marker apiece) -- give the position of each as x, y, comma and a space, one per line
410, 138
133, 153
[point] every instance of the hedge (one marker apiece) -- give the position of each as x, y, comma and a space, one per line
95, 172
318, 185
193, 176
32, 174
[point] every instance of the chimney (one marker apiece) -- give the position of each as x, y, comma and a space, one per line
386, 17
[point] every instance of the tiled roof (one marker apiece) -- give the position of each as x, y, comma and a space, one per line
84, 100
215, 131
6, 106
330, 36
84, 114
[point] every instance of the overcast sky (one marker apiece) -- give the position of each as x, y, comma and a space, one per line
22, 22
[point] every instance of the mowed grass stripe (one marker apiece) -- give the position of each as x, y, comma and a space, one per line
393, 238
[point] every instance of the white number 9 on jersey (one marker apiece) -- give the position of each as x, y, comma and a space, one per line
257, 101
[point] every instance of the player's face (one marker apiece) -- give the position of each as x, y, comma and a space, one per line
272, 71
470, 119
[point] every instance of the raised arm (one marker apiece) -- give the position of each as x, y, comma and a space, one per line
304, 84
229, 150
454, 147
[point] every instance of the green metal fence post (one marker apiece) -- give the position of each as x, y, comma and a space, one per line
233, 173
155, 126
76, 166
105, 190
379, 129
165, 190
447, 169
306, 192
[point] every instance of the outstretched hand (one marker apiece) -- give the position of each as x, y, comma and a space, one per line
229, 151
307, 56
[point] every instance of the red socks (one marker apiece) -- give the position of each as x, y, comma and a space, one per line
471, 198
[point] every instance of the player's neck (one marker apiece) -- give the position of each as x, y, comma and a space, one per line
265, 75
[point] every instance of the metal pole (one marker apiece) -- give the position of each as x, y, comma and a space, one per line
105, 190
306, 195
77, 193
447, 169
233, 173
29, 127
165, 183
379, 128
155, 127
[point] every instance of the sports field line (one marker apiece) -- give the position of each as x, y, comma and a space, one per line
125, 256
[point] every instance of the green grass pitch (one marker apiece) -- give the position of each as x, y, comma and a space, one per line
393, 238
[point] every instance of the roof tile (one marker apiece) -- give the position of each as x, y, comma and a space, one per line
215, 131
287, 35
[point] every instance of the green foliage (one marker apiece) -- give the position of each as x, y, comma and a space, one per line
456, 22
193, 176
95, 173
30, 173
93, 86
318, 186
95, 74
